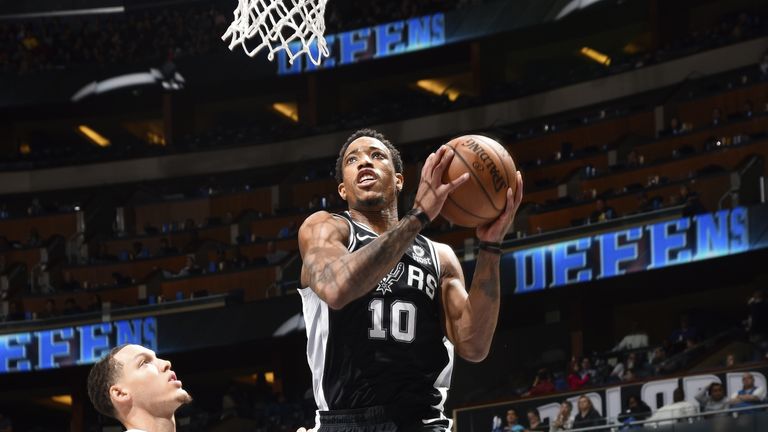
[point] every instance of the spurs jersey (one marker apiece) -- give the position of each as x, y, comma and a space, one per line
387, 348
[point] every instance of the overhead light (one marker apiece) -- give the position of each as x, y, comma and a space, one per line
439, 88
62, 399
289, 110
94, 136
269, 377
596, 56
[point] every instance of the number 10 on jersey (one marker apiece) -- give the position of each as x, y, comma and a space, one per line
402, 320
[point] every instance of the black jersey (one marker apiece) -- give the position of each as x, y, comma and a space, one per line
387, 348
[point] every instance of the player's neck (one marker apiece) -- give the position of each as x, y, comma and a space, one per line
380, 220
147, 422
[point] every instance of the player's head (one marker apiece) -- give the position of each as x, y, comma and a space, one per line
131, 379
369, 169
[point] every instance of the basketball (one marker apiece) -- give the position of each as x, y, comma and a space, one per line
482, 198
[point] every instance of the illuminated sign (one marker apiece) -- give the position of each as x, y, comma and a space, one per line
71, 346
634, 249
380, 41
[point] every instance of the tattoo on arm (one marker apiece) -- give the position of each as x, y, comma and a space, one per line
357, 273
486, 276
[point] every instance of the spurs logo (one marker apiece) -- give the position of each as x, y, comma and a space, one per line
394, 275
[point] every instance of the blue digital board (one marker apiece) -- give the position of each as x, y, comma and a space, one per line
71, 346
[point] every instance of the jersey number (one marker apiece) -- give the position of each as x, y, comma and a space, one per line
402, 325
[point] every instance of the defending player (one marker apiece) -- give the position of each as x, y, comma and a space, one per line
138, 389
384, 306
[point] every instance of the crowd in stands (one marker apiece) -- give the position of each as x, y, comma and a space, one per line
634, 359
153, 35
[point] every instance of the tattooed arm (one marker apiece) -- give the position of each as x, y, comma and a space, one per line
471, 318
338, 276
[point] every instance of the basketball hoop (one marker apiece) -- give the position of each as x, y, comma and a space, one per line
294, 26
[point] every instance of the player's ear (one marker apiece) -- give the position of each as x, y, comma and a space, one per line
399, 180
118, 395
342, 191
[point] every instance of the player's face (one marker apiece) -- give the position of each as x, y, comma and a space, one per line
148, 382
370, 181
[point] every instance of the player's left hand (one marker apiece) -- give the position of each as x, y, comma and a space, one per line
496, 230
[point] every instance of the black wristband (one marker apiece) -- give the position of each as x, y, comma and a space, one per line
420, 216
490, 247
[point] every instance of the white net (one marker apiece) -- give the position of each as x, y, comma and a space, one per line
295, 26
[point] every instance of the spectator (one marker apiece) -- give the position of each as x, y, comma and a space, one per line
139, 251
563, 419
730, 360
34, 238
15, 311
120, 280
757, 321
190, 268
542, 384
747, 109
587, 415
636, 410
50, 310
675, 127
71, 307
70, 283
602, 212
287, 231
166, 249
634, 339
690, 200
716, 116
712, 397
512, 423
95, 304
679, 337
35, 208
677, 409
274, 255
587, 369
749, 394
576, 379
658, 357
534, 421
763, 66
629, 363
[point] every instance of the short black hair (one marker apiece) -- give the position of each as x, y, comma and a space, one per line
103, 375
678, 395
371, 133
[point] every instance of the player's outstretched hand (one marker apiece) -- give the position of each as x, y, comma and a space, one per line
432, 192
496, 230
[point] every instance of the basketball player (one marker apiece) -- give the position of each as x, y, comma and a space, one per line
384, 306
138, 389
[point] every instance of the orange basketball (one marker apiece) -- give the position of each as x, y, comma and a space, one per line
482, 198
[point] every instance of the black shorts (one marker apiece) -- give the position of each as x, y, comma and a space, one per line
376, 419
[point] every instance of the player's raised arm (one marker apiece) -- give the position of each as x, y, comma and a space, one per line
339, 277
471, 318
